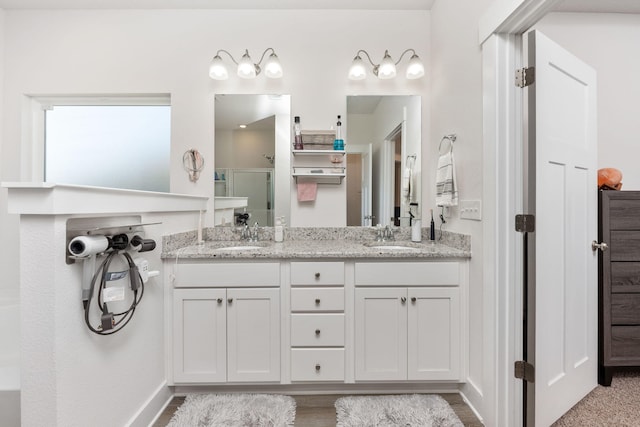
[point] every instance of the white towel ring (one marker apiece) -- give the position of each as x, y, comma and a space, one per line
451, 138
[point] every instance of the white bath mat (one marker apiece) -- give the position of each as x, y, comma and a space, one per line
234, 410
424, 410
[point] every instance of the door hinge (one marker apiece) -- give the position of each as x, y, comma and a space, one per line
525, 76
524, 371
525, 223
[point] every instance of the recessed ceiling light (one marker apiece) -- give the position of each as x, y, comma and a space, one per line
242, 126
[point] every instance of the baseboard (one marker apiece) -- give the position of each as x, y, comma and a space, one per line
153, 407
300, 389
470, 405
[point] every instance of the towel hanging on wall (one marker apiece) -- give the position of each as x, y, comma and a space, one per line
446, 189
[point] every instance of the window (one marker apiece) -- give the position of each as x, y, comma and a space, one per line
119, 146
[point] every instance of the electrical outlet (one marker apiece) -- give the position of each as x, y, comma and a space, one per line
471, 209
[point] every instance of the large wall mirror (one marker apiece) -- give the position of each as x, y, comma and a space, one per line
252, 138
384, 143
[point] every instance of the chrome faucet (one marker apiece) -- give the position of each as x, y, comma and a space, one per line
384, 234
246, 233
254, 235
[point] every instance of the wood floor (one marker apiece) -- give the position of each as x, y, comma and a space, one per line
318, 410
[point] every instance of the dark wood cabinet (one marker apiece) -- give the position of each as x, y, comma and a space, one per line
619, 282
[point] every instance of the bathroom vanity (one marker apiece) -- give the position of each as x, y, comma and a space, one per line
317, 308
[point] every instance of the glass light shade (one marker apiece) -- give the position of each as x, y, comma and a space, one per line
415, 69
217, 69
272, 67
387, 68
246, 68
357, 71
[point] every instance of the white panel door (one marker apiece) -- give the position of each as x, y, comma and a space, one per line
433, 334
253, 335
381, 334
565, 205
199, 335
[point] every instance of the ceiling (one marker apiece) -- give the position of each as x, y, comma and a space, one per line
219, 4
596, 6
599, 6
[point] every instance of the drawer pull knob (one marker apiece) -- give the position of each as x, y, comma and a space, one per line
317, 331
317, 367
219, 300
403, 300
317, 275
230, 300
413, 299
317, 301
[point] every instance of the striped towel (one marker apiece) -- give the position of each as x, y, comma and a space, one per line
446, 190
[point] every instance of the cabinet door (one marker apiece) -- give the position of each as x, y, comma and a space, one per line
253, 335
381, 334
434, 334
199, 335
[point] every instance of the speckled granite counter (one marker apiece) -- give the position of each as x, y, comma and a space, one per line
313, 243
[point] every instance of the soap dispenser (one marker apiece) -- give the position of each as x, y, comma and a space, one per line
278, 231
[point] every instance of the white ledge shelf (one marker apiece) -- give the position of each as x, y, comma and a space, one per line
318, 152
326, 175
43, 198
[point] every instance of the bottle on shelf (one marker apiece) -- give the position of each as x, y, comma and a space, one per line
297, 145
338, 143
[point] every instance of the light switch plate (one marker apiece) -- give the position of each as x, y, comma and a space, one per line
471, 209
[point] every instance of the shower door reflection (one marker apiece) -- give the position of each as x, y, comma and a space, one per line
257, 186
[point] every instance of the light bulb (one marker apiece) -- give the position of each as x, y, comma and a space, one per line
357, 71
217, 69
415, 69
387, 68
272, 67
246, 68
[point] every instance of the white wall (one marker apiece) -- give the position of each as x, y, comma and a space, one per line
457, 107
609, 43
169, 51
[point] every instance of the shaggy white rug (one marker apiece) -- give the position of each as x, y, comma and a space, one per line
233, 410
424, 410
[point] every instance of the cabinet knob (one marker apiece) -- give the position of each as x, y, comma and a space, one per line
317, 275
230, 300
413, 299
403, 300
317, 301
219, 300
317, 331
317, 367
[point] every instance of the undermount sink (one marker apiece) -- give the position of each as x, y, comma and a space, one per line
394, 247
391, 246
239, 248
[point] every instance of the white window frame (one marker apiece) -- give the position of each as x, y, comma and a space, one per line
33, 130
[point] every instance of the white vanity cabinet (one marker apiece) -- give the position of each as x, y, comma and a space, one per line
317, 321
226, 334
408, 323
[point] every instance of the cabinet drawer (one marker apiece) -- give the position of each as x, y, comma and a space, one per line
625, 245
317, 330
240, 274
625, 277
625, 343
318, 364
317, 273
625, 309
317, 299
407, 274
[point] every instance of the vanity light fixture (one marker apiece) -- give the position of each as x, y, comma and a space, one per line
246, 68
386, 69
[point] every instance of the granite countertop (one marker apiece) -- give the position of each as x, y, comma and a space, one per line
314, 244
